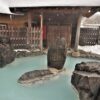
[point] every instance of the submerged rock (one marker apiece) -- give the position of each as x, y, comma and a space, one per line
7, 54
37, 76
86, 80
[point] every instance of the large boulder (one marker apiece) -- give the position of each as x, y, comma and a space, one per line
86, 80
56, 55
7, 54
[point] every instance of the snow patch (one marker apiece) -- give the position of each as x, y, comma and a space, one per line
93, 49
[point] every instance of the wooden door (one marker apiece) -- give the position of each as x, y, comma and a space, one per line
54, 31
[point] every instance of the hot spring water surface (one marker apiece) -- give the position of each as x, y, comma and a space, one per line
58, 89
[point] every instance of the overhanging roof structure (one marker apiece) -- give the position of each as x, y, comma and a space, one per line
93, 20
6, 4
4, 8
51, 3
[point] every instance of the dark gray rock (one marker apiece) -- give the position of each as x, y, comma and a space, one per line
56, 55
86, 80
37, 76
7, 55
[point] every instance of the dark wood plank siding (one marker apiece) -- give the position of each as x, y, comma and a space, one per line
54, 31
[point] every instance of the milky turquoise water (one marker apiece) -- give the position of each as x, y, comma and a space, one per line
58, 89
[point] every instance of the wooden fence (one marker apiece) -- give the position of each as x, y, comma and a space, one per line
21, 38
35, 38
89, 36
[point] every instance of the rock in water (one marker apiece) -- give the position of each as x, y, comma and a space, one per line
56, 55
7, 54
86, 80
37, 76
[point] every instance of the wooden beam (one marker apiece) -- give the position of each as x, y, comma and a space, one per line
66, 10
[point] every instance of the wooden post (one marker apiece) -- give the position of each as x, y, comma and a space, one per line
29, 28
78, 33
41, 32
99, 36
11, 26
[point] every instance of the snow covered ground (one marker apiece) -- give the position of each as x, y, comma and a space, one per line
26, 50
93, 49
16, 50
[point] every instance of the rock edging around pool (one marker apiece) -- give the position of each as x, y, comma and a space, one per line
39, 76
86, 80
7, 55
83, 54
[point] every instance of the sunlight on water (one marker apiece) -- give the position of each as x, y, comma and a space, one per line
58, 89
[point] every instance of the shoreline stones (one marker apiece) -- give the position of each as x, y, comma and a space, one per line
86, 80
84, 54
76, 54
20, 54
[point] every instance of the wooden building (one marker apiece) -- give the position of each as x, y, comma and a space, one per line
38, 25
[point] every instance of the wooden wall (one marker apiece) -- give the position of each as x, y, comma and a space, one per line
62, 23
54, 32
14, 20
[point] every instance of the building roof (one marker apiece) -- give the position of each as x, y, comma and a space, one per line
4, 8
93, 20
50, 3
6, 4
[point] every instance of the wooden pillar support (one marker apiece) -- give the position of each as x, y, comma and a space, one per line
41, 32
78, 33
29, 28
99, 36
